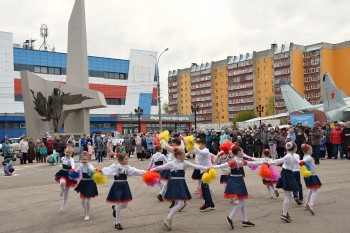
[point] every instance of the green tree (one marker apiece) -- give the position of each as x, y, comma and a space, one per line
243, 116
270, 106
165, 108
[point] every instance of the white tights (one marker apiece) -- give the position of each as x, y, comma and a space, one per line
162, 192
85, 202
64, 193
286, 202
238, 207
118, 207
311, 197
270, 189
177, 207
160, 185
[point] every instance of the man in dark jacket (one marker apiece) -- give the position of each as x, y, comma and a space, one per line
315, 134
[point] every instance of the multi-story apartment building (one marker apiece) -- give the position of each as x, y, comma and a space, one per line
173, 92
254, 78
240, 84
201, 91
264, 79
220, 95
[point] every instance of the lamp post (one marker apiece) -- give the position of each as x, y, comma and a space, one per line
260, 109
6, 123
131, 124
195, 109
158, 89
139, 112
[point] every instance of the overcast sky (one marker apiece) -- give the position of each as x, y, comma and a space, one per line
193, 30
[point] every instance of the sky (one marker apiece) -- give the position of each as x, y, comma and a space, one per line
195, 31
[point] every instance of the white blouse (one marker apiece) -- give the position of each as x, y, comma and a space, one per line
68, 161
287, 160
308, 159
157, 157
85, 168
116, 168
176, 165
240, 163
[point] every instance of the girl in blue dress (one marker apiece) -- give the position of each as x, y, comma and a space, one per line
120, 193
236, 187
86, 187
177, 190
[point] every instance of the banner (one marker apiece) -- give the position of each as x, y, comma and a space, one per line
304, 119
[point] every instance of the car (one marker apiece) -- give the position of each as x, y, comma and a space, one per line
15, 143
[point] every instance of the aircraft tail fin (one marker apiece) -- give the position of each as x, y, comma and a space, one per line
294, 101
333, 97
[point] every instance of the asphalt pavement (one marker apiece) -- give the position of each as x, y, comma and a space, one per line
30, 202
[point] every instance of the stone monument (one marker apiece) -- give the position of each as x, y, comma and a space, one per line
47, 106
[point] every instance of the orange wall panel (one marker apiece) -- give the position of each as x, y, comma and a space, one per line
298, 71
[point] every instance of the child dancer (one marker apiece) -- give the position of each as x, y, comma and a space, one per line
312, 182
298, 195
204, 160
287, 181
53, 158
196, 175
86, 187
236, 187
158, 159
62, 176
270, 184
177, 190
120, 193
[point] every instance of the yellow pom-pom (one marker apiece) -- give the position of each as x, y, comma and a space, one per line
189, 142
206, 179
197, 145
304, 172
165, 135
99, 178
212, 173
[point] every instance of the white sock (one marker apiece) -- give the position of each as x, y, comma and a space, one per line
269, 190
62, 185
87, 205
175, 209
244, 212
117, 209
199, 184
83, 204
65, 198
162, 192
313, 196
160, 185
236, 209
286, 202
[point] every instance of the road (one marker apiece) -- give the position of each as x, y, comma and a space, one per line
30, 202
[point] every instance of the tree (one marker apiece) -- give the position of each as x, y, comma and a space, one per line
165, 108
270, 110
243, 116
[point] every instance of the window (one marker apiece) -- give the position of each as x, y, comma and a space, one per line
265, 68
19, 98
47, 70
115, 101
266, 91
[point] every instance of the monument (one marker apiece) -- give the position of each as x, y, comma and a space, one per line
47, 106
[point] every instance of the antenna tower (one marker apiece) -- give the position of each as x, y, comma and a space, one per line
44, 33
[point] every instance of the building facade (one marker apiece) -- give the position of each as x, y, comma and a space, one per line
126, 84
254, 79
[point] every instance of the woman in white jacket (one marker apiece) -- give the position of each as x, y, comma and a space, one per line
23, 148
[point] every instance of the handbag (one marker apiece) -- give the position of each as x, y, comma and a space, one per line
19, 155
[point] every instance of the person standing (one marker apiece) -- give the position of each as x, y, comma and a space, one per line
6, 148
315, 134
329, 145
150, 143
265, 138
23, 148
272, 141
299, 140
337, 141
346, 135
31, 151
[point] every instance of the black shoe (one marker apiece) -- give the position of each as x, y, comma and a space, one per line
212, 207
172, 204
204, 208
286, 218
160, 198
298, 201
229, 222
118, 226
248, 224
113, 206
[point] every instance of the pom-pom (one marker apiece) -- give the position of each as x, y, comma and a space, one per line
308, 167
233, 164
212, 173
99, 178
189, 142
73, 174
165, 135
274, 173
253, 168
151, 178
304, 172
226, 146
206, 179
265, 172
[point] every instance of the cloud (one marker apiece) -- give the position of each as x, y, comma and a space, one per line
193, 30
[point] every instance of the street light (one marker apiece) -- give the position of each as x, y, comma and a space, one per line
139, 112
131, 124
260, 109
195, 109
158, 89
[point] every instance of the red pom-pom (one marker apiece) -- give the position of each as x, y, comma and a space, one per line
226, 146
233, 164
151, 178
221, 153
175, 149
98, 170
301, 163
234, 146
265, 172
